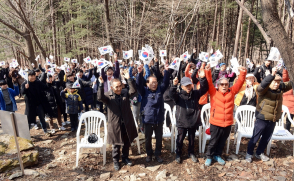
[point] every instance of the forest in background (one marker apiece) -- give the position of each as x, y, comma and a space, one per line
76, 28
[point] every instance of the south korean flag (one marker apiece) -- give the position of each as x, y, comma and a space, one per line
175, 64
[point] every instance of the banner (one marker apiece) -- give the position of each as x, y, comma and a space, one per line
87, 59
235, 64
186, 55
274, 54
2, 63
74, 61
105, 50
146, 55
162, 53
216, 56
127, 54
66, 59
280, 64
175, 64
24, 74
102, 63
203, 56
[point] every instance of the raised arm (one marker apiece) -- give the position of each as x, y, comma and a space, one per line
187, 71
40, 67
147, 71
140, 82
211, 88
100, 94
174, 95
117, 70
241, 79
165, 82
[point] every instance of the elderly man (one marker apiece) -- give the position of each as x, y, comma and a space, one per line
121, 127
221, 113
268, 111
152, 110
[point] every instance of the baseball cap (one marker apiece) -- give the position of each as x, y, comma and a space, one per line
186, 81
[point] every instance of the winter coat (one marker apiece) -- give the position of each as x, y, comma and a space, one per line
116, 74
187, 107
152, 104
4, 73
35, 96
241, 97
269, 104
50, 95
88, 91
12, 94
222, 105
73, 102
288, 97
118, 111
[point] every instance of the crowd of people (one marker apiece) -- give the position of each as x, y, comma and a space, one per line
132, 92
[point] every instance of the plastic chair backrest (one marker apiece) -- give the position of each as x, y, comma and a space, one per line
92, 121
245, 116
167, 111
280, 123
205, 115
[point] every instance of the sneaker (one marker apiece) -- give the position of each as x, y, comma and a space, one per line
127, 161
32, 124
62, 128
52, 131
178, 159
36, 126
116, 165
148, 159
262, 157
67, 122
159, 159
219, 160
64, 123
248, 158
47, 119
208, 162
193, 158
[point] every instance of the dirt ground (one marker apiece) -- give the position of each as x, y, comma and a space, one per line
57, 158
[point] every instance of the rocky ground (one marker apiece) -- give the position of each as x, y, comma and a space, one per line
57, 158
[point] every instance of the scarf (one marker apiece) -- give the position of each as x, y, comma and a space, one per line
249, 93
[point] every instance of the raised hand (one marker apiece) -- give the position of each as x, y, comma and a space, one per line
207, 67
115, 57
242, 69
126, 75
140, 69
155, 59
201, 71
101, 80
267, 72
27, 86
166, 66
176, 81
194, 50
274, 71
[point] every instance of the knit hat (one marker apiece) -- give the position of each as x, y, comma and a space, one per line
221, 64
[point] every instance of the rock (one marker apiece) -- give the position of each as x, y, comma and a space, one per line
47, 152
31, 172
161, 175
7, 144
219, 167
47, 141
233, 157
105, 176
271, 162
230, 174
202, 167
228, 165
62, 152
123, 171
51, 166
153, 168
63, 143
173, 177
15, 175
245, 175
90, 179
29, 158
283, 173
222, 174
142, 174
133, 178
239, 168
279, 178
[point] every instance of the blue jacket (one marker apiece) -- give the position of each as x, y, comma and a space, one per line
73, 102
12, 94
152, 105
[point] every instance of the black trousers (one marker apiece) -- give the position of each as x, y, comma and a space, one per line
217, 142
64, 114
40, 113
182, 132
148, 129
125, 147
261, 128
288, 123
74, 121
94, 104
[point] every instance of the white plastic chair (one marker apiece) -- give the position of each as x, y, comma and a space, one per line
245, 123
92, 121
205, 123
280, 126
197, 134
137, 139
167, 133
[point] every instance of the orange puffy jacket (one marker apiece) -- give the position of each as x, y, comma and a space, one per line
222, 105
288, 98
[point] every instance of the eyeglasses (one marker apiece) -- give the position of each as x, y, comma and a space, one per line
224, 84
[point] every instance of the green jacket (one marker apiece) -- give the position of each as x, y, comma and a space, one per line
269, 103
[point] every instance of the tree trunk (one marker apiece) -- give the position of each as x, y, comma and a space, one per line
52, 14
238, 30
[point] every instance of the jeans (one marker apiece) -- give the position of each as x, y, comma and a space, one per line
182, 132
263, 129
9, 107
125, 147
148, 129
217, 142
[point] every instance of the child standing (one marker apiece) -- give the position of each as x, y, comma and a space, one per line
7, 101
74, 104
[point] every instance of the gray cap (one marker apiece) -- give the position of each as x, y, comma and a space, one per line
186, 81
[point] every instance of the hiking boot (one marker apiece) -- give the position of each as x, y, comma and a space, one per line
159, 159
178, 159
208, 162
248, 158
219, 160
193, 158
116, 166
127, 161
148, 159
262, 157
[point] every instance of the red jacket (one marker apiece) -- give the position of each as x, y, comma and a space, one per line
288, 98
222, 105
